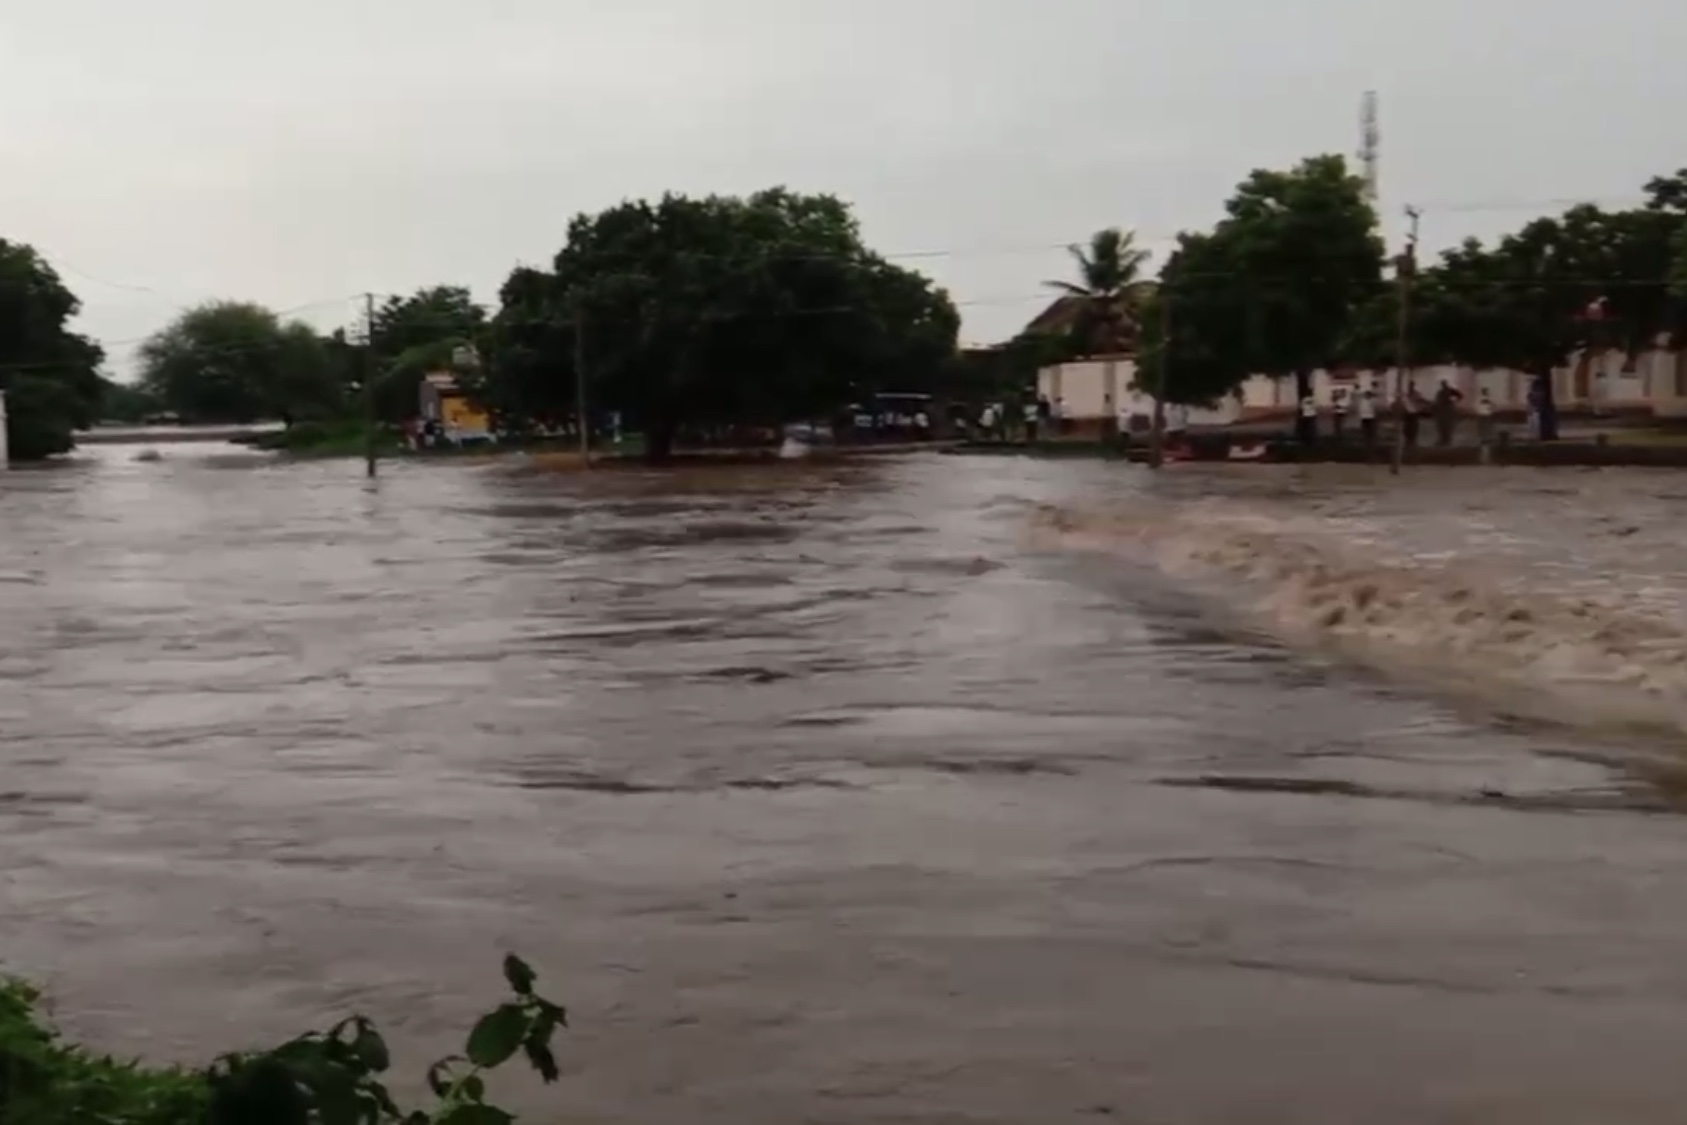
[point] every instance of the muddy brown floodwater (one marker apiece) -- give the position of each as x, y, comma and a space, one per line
820, 794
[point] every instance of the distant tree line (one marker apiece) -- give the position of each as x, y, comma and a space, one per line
720, 311
1295, 277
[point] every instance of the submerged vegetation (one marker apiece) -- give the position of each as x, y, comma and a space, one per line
334, 1077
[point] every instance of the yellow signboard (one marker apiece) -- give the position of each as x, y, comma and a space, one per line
458, 413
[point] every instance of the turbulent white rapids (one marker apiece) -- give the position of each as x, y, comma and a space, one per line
1541, 653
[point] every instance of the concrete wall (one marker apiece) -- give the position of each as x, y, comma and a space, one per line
1096, 389
1654, 381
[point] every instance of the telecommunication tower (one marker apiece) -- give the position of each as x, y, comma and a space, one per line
1370, 137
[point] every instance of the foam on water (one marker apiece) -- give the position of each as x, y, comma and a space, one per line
1437, 618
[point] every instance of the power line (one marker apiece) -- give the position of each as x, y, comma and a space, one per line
1522, 203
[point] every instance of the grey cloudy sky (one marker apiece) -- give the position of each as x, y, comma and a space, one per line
169, 151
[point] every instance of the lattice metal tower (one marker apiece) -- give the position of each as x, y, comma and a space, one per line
1370, 138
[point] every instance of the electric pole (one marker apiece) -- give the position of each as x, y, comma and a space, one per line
580, 383
1404, 274
1157, 432
369, 420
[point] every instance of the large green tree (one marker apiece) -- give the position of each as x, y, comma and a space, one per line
50, 374
426, 331
232, 361
426, 318
530, 350
717, 311
1586, 279
1275, 286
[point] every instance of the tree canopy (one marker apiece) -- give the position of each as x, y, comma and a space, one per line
1293, 277
1274, 286
50, 374
426, 318
233, 361
718, 310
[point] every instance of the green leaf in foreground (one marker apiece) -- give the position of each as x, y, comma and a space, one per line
319, 1078
519, 974
497, 1035
474, 1113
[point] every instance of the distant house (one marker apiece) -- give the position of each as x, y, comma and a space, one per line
1092, 388
1065, 315
445, 403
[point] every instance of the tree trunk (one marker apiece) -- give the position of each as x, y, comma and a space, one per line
1157, 434
659, 441
1306, 429
1548, 407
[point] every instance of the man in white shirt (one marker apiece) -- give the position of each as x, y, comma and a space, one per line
1308, 422
1484, 417
1368, 415
1177, 422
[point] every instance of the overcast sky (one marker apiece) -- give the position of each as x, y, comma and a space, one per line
168, 151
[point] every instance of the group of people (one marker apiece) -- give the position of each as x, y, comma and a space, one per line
1442, 409
1034, 417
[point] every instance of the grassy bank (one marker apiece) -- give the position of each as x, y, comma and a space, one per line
349, 439
321, 1078
344, 438
339, 438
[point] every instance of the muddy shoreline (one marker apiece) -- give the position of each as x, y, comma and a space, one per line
1216, 448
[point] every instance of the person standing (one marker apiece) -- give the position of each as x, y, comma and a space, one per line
1031, 414
1309, 419
1368, 416
1338, 413
1484, 418
1446, 413
1177, 425
1411, 416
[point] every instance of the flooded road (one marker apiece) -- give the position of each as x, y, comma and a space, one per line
819, 794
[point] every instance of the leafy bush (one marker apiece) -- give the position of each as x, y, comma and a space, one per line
321, 1078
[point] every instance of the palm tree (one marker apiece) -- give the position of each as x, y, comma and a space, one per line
1109, 287
1109, 275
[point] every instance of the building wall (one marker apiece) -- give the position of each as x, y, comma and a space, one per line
1095, 389
1654, 381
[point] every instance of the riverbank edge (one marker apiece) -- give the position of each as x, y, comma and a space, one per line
1561, 454
558, 453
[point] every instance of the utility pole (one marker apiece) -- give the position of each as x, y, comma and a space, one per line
369, 420
1157, 432
580, 383
1404, 274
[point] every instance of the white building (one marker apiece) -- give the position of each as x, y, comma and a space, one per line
1652, 382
